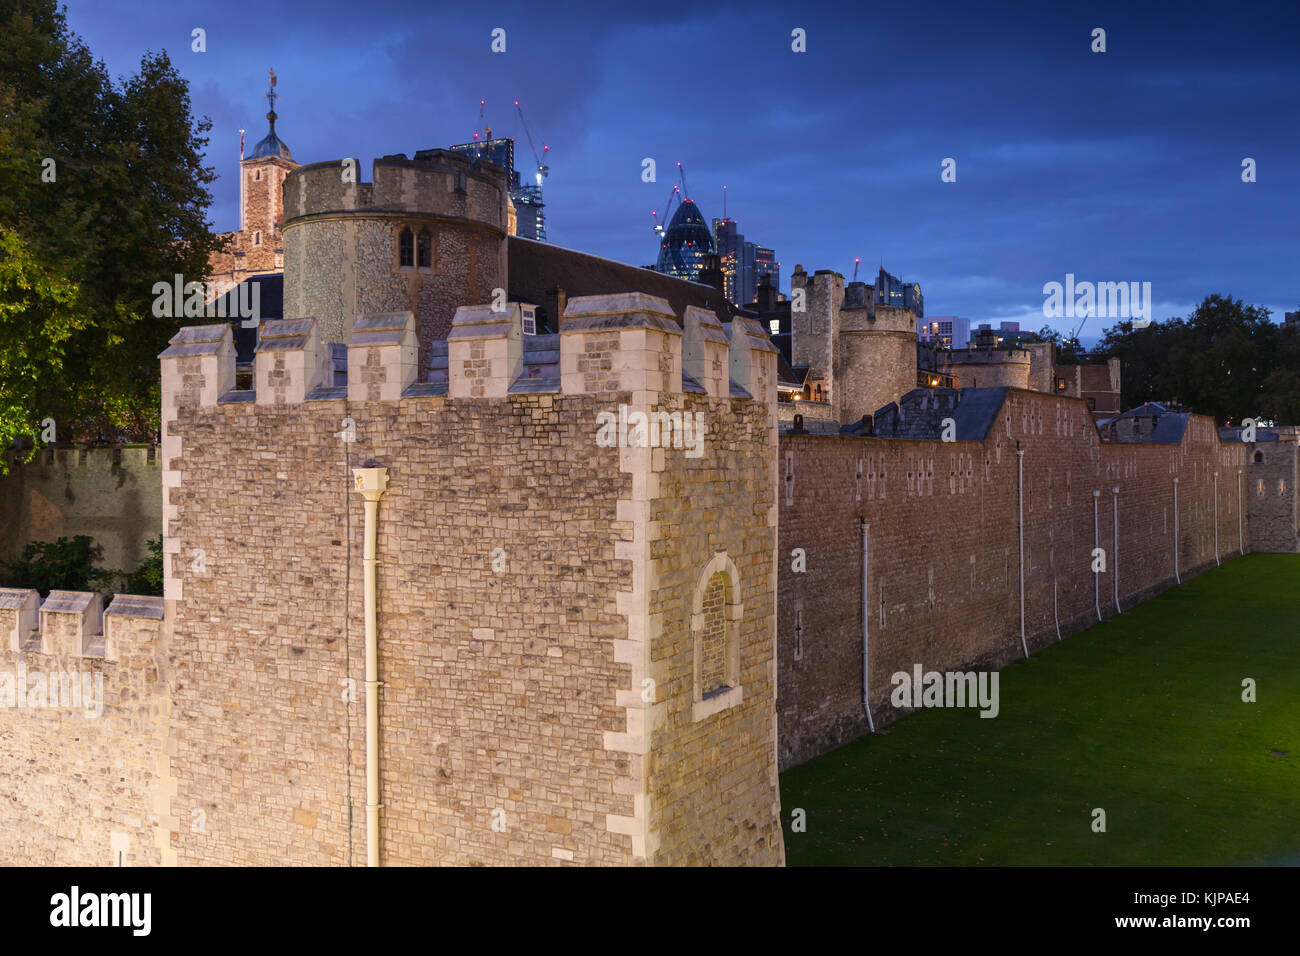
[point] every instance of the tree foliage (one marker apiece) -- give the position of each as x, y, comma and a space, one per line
1226, 359
83, 238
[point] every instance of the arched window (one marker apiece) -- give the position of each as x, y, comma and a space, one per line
423, 249
1259, 457
406, 248
715, 627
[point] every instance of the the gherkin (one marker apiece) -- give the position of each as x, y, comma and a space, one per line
685, 243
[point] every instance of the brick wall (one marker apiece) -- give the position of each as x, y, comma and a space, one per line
943, 569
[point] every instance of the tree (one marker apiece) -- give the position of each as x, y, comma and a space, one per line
1227, 359
105, 194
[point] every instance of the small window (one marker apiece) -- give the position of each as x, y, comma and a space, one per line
406, 248
798, 634
1259, 488
257, 176
1281, 486
1060, 384
1092, 404
423, 249
1259, 457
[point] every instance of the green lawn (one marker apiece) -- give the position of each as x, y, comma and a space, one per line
1141, 716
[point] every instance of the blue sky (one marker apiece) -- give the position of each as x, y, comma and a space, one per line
1115, 166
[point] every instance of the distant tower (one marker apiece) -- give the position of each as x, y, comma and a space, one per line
258, 247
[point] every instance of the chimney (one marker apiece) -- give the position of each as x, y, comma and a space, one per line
766, 294
555, 302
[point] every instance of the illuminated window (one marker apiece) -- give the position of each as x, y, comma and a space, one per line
1281, 486
1259, 488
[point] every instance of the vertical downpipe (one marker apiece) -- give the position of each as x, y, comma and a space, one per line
1176, 577
1241, 543
1020, 506
1216, 518
371, 482
1096, 543
1114, 558
866, 617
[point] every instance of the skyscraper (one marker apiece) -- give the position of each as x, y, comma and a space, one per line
685, 243
891, 290
529, 208
743, 263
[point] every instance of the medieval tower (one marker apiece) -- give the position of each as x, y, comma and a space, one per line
258, 247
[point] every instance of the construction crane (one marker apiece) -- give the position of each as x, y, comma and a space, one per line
480, 118
685, 192
855, 268
542, 169
661, 225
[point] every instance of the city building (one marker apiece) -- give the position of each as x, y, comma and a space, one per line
893, 291
685, 244
530, 210
950, 331
743, 263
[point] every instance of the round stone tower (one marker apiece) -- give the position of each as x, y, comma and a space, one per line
426, 235
875, 363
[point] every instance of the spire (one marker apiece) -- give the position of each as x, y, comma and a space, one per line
271, 145
271, 97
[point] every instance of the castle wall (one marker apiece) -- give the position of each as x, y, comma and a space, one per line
83, 777
943, 575
1270, 495
65, 492
988, 368
515, 723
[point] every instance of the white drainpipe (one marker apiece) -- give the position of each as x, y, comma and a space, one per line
371, 482
1241, 543
1114, 558
866, 617
1020, 505
1096, 543
1176, 577
1216, 518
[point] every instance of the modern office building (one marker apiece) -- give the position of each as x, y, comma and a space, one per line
527, 197
685, 243
950, 331
743, 263
891, 290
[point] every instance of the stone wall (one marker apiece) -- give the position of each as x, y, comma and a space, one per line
84, 774
1270, 491
943, 549
68, 491
530, 581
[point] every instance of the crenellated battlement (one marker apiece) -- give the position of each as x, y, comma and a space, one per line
630, 342
74, 624
436, 183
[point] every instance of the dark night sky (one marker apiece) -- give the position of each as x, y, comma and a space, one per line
1116, 167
